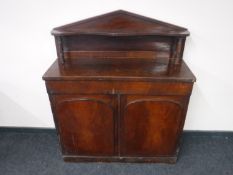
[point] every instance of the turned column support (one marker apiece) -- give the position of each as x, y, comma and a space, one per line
177, 49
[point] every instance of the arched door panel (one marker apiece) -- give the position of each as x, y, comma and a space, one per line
150, 125
86, 125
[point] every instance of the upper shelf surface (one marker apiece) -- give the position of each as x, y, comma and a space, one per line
106, 69
120, 23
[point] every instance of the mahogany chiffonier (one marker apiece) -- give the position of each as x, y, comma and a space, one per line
119, 89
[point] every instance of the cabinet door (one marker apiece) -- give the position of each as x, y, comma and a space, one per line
85, 124
150, 125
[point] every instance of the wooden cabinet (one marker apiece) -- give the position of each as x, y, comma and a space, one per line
112, 125
119, 90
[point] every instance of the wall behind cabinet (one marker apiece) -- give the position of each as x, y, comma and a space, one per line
27, 49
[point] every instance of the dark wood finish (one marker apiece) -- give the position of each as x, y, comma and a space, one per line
119, 90
157, 159
114, 54
94, 116
112, 47
120, 31
120, 23
149, 133
118, 87
123, 69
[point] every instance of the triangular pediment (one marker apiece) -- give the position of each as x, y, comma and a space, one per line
120, 23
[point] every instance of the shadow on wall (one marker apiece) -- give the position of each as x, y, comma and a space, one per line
208, 108
13, 114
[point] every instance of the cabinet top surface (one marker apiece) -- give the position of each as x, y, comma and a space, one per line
120, 23
123, 70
